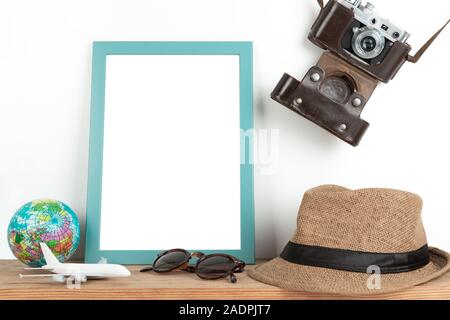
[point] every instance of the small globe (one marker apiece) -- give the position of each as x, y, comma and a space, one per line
45, 220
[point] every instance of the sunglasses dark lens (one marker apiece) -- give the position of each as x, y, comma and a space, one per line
214, 267
170, 261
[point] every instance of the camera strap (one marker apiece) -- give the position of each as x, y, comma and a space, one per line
415, 58
425, 47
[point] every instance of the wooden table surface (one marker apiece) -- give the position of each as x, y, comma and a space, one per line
178, 285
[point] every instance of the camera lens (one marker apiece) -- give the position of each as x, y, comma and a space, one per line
368, 44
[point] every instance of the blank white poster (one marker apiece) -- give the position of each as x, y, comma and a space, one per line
171, 159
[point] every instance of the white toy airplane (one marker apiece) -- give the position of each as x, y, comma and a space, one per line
80, 272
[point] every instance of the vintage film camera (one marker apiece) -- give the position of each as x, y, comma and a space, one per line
363, 49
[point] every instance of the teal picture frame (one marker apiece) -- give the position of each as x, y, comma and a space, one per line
94, 189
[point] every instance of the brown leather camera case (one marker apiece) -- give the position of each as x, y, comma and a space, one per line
326, 96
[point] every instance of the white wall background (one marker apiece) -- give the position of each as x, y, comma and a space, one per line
45, 67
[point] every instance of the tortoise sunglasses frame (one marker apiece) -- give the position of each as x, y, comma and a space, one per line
185, 266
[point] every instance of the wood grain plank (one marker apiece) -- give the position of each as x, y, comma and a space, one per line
181, 285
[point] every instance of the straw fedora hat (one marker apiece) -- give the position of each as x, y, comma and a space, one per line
352, 242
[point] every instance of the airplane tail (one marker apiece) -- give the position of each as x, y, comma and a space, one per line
50, 258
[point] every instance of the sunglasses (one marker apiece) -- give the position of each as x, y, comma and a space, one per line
209, 267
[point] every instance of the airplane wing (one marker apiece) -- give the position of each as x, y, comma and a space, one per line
61, 277
55, 277
34, 275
